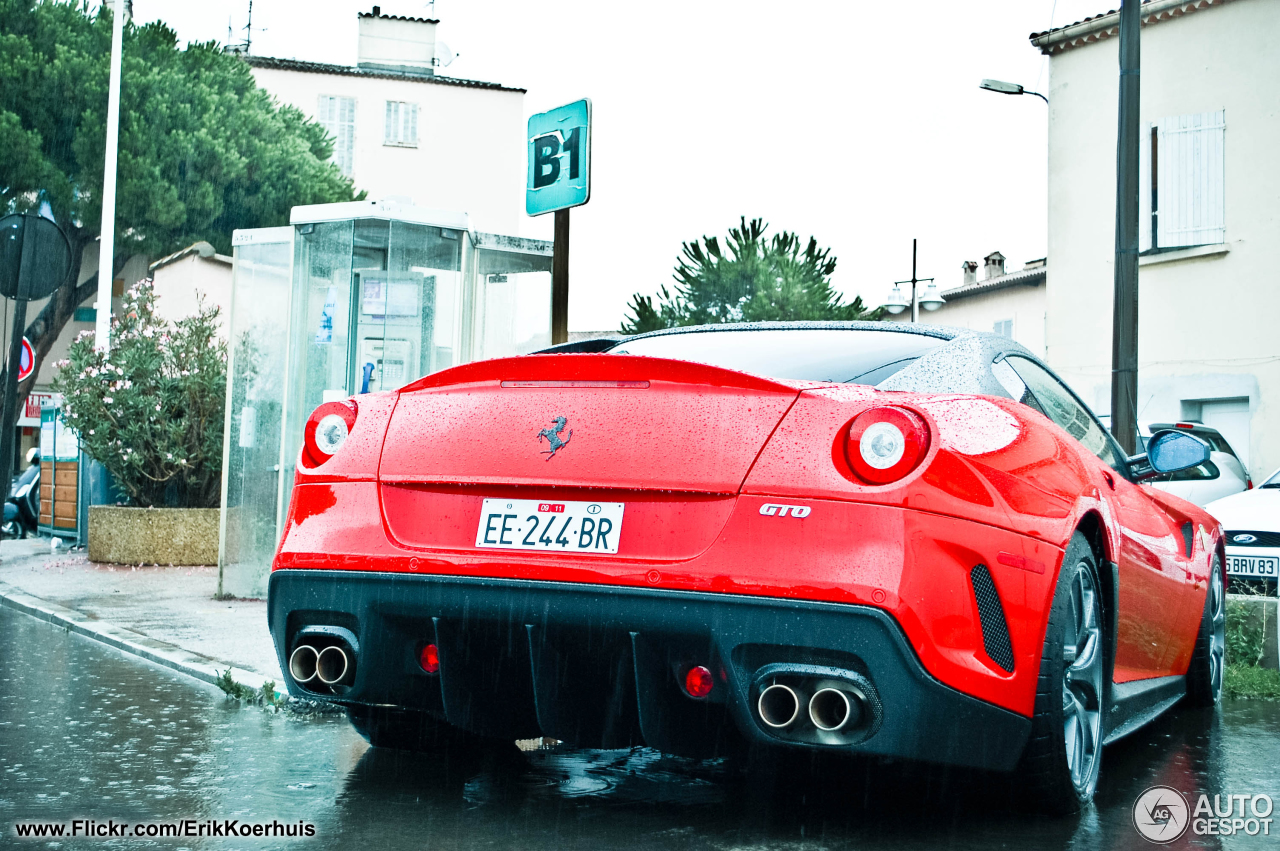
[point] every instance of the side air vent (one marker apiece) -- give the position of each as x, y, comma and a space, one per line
995, 631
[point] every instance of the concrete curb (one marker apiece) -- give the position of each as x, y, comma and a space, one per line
126, 640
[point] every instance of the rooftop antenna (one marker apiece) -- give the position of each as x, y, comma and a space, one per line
248, 30
444, 55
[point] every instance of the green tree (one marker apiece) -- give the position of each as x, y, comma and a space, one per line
751, 279
151, 409
203, 150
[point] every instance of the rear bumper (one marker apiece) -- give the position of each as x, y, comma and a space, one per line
601, 666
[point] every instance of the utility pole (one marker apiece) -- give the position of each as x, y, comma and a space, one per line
106, 247
1124, 331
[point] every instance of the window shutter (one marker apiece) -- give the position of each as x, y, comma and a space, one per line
337, 115
389, 132
1144, 189
411, 136
1191, 179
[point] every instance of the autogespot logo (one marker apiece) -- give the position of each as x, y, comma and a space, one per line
1160, 814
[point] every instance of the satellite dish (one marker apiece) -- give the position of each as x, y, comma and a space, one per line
444, 55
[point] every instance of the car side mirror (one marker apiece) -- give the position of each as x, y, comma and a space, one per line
1169, 451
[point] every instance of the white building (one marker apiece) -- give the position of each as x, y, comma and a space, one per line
403, 131
1001, 302
1210, 195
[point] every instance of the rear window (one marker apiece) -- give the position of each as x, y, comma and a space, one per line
844, 356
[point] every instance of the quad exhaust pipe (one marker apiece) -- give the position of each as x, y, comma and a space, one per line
779, 706
303, 663
817, 705
830, 709
330, 665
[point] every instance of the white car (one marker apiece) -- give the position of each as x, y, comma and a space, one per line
1220, 476
1252, 523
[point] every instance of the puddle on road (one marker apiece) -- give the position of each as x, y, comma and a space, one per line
86, 732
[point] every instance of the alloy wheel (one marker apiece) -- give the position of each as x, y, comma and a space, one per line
1218, 637
1082, 677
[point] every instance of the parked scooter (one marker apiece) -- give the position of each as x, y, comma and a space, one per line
22, 508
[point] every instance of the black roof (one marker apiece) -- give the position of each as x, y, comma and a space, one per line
383, 74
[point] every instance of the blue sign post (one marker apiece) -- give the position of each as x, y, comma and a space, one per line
559, 177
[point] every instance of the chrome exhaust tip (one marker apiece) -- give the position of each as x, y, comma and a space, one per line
829, 709
778, 706
332, 665
303, 663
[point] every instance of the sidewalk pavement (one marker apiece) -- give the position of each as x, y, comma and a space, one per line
165, 614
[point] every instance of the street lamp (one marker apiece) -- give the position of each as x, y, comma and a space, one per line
1004, 88
931, 300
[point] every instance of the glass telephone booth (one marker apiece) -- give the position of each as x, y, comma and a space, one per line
353, 298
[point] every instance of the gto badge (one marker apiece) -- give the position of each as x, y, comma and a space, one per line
769, 509
1244, 539
553, 438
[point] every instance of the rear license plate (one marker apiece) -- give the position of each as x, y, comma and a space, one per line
1259, 566
528, 524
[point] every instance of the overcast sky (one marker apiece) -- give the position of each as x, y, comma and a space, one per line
860, 123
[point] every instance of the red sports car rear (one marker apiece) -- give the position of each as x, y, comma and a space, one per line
615, 550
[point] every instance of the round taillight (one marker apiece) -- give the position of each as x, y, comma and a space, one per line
886, 443
429, 659
327, 430
698, 681
331, 433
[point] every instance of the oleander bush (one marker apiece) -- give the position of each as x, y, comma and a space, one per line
151, 410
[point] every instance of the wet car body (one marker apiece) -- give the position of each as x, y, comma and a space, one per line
749, 548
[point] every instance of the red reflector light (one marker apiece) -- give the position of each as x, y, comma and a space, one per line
698, 681
1184, 425
886, 443
429, 659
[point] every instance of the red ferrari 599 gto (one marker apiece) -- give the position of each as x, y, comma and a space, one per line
869, 538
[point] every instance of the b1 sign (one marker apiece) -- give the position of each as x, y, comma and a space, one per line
559, 173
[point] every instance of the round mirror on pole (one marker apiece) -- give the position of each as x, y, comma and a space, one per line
35, 257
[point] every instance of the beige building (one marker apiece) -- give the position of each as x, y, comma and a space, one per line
1210, 196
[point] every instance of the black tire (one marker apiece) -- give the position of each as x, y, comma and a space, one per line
406, 730
1209, 661
1059, 768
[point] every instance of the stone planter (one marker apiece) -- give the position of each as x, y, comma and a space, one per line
153, 535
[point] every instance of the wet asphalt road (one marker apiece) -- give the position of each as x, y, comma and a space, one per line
86, 732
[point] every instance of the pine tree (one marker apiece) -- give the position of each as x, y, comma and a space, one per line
751, 279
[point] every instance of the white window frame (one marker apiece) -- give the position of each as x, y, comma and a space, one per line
400, 125
995, 327
1183, 159
329, 114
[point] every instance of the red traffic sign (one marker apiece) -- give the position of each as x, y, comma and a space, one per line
27, 362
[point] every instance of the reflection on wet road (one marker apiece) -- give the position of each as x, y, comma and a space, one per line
86, 732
